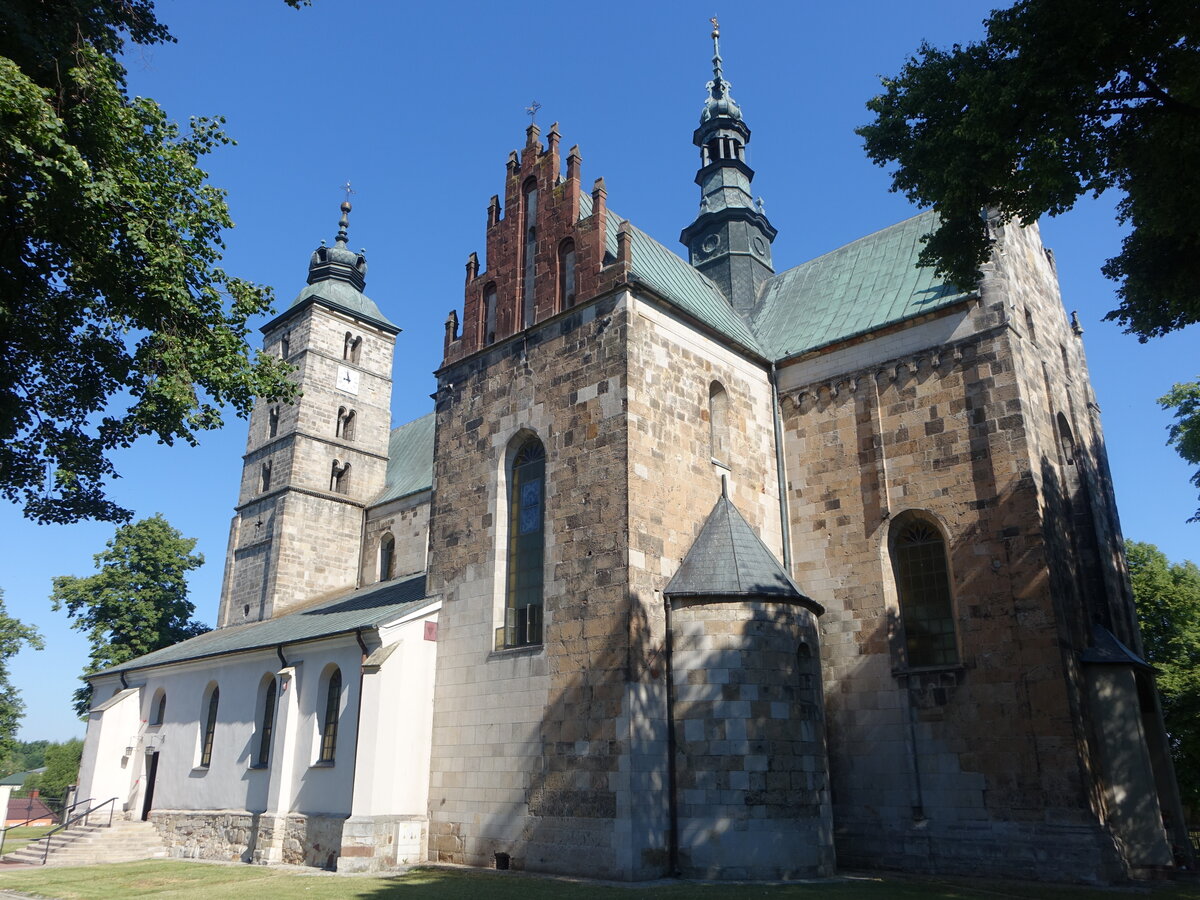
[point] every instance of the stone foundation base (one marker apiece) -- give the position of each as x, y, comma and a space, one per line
251, 837
379, 843
1082, 853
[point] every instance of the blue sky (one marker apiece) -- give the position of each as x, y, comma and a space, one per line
418, 106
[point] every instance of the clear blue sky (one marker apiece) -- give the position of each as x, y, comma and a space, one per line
418, 106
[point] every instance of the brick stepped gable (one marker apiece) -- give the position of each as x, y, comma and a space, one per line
91, 844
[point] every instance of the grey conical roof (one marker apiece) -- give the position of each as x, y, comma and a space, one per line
728, 559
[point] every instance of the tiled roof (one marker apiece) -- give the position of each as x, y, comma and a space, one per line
410, 460
728, 559
856, 289
363, 608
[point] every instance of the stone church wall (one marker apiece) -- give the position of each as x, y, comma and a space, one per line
527, 754
967, 765
407, 520
234, 835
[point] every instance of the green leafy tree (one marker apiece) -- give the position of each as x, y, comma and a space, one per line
116, 320
137, 601
62, 770
1185, 433
14, 635
1168, 608
1063, 98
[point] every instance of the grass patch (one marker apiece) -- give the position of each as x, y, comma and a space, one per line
177, 878
27, 834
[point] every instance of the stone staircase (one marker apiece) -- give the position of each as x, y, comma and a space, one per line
83, 845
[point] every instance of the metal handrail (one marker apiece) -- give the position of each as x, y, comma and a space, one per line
110, 803
4, 831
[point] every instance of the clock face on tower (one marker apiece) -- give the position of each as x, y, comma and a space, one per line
347, 380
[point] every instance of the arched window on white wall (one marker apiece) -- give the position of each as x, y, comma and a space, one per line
210, 726
330, 716
158, 707
267, 723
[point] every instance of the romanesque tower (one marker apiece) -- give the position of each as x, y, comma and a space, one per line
730, 241
311, 467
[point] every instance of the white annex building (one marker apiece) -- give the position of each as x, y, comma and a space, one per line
696, 566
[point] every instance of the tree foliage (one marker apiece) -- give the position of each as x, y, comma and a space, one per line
1062, 98
14, 635
116, 320
137, 601
62, 769
1185, 433
1168, 607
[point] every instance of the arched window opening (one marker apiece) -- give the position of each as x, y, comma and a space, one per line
1029, 328
266, 475
263, 758
1066, 441
210, 728
566, 275
158, 710
387, 557
329, 725
489, 315
273, 421
923, 587
718, 423
346, 419
285, 346
339, 477
526, 546
529, 197
351, 348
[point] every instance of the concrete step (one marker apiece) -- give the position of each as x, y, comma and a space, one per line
123, 841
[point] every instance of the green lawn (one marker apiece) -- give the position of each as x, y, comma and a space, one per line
19, 837
176, 878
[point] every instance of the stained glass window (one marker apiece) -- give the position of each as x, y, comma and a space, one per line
526, 541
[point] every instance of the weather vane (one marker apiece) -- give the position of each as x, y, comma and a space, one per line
716, 27
532, 110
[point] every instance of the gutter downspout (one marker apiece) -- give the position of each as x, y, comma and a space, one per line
357, 718
672, 798
781, 474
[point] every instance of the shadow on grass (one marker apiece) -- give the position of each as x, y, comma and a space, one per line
178, 878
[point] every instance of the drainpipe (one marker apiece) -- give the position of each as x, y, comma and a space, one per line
357, 718
672, 798
785, 529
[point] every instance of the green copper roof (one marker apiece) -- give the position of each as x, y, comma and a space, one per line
341, 295
410, 460
364, 608
674, 279
858, 288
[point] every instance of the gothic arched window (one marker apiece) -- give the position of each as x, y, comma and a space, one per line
923, 588
387, 557
526, 545
339, 477
329, 724
489, 314
718, 423
158, 712
566, 275
352, 348
268, 724
273, 421
210, 728
529, 200
346, 420
266, 475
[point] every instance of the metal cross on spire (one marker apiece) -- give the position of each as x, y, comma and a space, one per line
532, 110
347, 189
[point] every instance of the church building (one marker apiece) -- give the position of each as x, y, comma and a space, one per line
696, 567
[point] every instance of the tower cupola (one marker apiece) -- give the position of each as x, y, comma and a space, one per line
730, 240
339, 262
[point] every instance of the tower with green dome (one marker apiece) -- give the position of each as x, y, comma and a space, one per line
311, 468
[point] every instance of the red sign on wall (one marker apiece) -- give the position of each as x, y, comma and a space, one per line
431, 631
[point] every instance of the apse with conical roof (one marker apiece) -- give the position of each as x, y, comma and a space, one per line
730, 240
